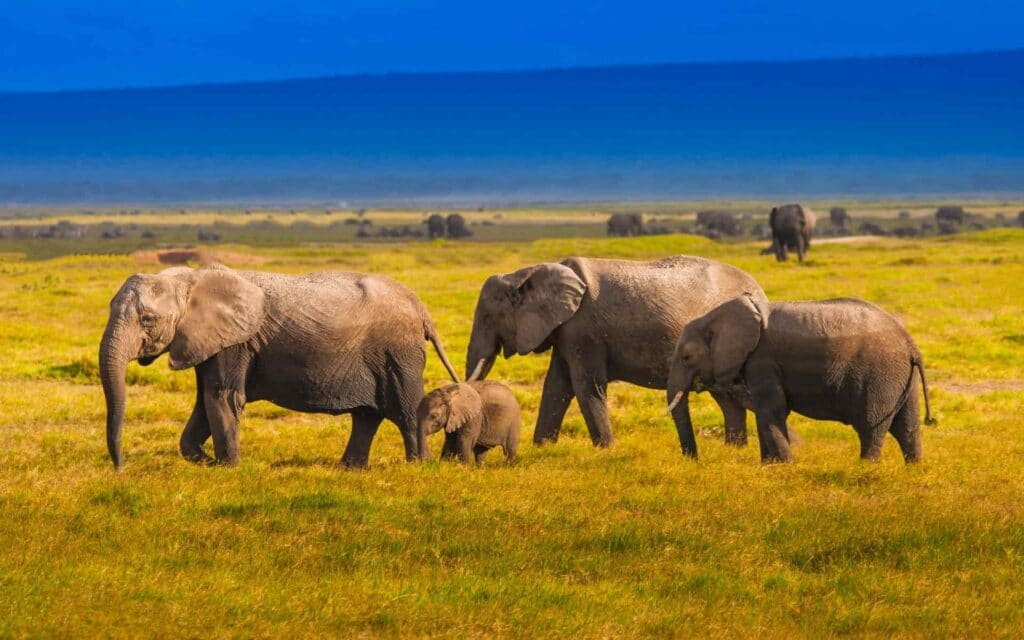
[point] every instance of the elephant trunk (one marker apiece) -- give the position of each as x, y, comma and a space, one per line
115, 352
680, 382
482, 351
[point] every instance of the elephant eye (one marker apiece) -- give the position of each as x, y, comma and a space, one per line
147, 319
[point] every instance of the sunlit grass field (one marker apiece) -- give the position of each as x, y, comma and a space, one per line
633, 541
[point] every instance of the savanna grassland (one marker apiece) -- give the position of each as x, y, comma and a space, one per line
571, 541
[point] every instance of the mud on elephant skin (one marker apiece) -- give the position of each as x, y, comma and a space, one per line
843, 359
602, 320
476, 417
331, 342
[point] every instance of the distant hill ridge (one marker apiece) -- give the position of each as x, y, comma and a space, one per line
910, 125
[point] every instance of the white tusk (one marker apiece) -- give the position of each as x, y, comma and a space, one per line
675, 401
479, 368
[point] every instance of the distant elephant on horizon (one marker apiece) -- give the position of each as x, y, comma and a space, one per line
625, 225
724, 222
435, 226
603, 320
333, 342
456, 227
792, 228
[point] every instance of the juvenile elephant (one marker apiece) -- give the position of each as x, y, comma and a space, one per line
604, 320
333, 342
843, 359
476, 417
792, 227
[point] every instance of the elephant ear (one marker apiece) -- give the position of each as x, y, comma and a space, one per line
545, 296
222, 310
733, 331
464, 404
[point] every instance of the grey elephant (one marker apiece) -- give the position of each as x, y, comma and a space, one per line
625, 224
792, 227
435, 226
332, 342
723, 222
603, 320
455, 225
476, 417
843, 359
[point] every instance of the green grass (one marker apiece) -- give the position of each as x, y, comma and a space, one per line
633, 541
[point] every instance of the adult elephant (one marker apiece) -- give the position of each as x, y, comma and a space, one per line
604, 320
435, 226
457, 227
332, 342
625, 224
724, 222
792, 227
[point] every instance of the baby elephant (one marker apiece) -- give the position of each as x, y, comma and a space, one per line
843, 359
476, 417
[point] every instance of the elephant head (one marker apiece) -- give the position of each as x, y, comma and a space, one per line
189, 313
713, 348
449, 408
517, 312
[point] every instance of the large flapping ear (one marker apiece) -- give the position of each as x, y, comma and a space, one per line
464, 404
544, 297
734, 329
222, 309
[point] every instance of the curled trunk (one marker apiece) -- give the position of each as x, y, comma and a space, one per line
114, 356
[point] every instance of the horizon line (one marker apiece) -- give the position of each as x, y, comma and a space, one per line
500, 72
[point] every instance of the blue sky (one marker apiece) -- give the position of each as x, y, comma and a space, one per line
62, 44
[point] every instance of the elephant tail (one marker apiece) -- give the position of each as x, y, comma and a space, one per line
916, 362
430, 333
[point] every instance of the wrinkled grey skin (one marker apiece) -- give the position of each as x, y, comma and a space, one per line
625, 224
333, 342
476, 417
435, 226
603, 320
792, 227
843, 359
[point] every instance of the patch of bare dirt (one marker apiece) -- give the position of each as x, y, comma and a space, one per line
196, 257
984, 386
845, 240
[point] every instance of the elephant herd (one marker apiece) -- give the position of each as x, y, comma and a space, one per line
351, 343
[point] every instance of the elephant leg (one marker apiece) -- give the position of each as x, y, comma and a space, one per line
684, 427
801, 248
466, 449
224, 406
365, 422
735, 419
590, 384
554, 400
197, 429
906, 429
871, 440
450, 450
771, 412
224, 398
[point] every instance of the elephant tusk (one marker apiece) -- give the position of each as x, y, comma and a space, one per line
479, 368
675, 402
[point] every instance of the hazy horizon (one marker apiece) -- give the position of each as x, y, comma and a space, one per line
867, 126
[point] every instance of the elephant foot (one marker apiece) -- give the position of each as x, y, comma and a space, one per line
767, 460
198, 457
353, 462
738, 440
226, 462
544, 440
604, 443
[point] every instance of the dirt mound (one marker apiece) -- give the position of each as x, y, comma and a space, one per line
177, 257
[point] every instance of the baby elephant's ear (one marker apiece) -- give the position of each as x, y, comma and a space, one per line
464, 404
